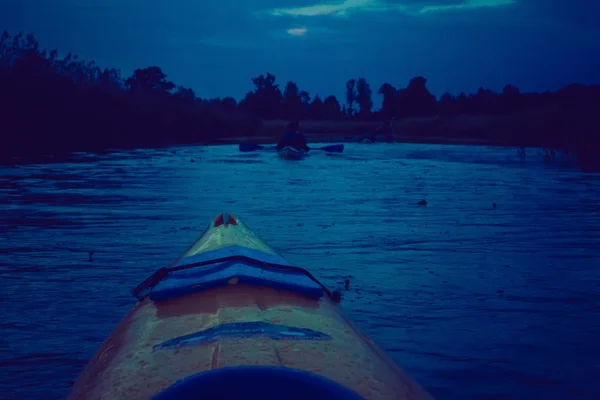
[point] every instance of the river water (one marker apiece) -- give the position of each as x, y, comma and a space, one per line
473, 300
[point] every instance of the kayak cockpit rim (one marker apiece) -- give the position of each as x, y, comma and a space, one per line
143, 290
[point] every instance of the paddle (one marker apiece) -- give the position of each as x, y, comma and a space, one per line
254, 147
335, 148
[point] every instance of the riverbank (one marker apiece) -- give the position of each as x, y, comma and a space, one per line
572, 131
412, 130
100, 110
522, 130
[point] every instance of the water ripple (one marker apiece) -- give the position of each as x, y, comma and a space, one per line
489, 291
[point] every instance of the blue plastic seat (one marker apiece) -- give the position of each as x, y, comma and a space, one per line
265, 383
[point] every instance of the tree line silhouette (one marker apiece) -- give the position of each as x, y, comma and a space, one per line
56, 105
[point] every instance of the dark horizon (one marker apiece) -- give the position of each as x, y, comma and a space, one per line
457, 45
148, 109
377, 97
357, 199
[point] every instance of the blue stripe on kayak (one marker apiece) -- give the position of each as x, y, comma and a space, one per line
233, 251
194, 280
244, 330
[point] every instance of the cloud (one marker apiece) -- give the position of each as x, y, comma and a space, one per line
346, 7
321, 9
466, 5
334, 9
297, 31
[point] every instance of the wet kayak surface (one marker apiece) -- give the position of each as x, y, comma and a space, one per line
490, 290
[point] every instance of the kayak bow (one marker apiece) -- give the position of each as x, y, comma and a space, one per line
291, 153
231, 318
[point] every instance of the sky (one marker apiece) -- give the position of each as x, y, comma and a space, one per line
216, 47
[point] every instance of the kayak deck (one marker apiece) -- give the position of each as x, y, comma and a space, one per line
215, 309
229, 253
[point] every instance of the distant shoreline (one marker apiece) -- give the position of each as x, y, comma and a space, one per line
441, 130
100, 110
337, 138
451, 130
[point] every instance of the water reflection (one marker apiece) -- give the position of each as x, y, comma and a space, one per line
473, 300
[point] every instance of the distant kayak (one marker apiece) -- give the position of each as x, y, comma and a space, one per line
291, 153
232, 319
367, 141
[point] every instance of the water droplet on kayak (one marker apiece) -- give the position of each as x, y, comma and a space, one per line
233, 281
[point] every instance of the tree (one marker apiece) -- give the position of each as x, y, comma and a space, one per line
350, 96
142, 113
363, 97
331, 108
305, 98
388, 106
228, 104
317, 109
291, 103
264, 82
150, 79
510, 98
484, 102
415, 100
447, 104
265, 100
510, 90
185, 94
108, 77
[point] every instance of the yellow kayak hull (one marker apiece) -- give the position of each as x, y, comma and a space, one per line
178, 330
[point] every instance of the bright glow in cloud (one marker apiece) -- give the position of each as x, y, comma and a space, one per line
297, 31
348, 6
